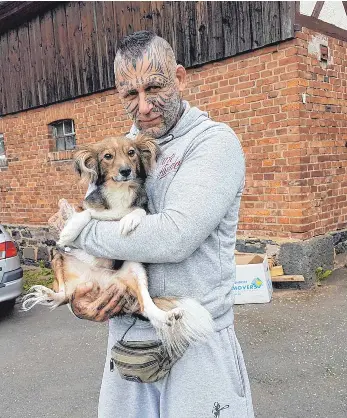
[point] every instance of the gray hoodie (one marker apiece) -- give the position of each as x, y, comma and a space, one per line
194, 195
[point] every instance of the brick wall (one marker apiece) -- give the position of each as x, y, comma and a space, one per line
296, 152
296, 156
323, 130
258, 95
37, 178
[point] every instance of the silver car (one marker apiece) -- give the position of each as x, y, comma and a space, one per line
11, 273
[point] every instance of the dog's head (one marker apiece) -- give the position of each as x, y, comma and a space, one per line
117, 159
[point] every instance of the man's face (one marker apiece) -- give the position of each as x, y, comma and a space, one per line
150, 92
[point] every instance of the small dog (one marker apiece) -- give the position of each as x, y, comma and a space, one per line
118, 168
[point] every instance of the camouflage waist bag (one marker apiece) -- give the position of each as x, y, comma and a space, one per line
141, 361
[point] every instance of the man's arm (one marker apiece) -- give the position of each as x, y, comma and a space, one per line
199, 196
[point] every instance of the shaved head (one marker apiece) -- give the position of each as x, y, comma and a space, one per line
135, 46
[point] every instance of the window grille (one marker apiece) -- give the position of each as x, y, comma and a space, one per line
2, 145
63, 132
3, 159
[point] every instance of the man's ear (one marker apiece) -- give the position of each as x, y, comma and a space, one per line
181, 77
148, 149
86, 163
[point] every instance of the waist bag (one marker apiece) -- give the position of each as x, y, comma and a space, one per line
141, 361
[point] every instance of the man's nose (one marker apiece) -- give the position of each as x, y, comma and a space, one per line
144, 106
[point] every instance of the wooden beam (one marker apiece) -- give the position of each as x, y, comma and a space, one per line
288, 278
319, 26
317, 9
297, 7
276, 271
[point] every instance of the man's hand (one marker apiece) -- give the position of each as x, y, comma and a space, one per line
58, 220
89, 302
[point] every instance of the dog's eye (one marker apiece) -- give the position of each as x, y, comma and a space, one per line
131, 153
108, 156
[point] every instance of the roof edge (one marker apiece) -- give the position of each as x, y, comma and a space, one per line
15, 13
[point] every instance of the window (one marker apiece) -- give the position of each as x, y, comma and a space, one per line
63, 132
3, 159
2, 145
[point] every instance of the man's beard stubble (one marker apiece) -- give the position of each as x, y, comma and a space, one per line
170, 112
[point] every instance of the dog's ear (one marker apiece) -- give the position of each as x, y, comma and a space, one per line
149, 151
86, 163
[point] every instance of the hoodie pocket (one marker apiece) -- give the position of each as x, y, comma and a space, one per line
238, 360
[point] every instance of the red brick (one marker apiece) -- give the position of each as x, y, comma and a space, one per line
295, 153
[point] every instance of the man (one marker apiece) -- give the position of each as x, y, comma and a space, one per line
188, 241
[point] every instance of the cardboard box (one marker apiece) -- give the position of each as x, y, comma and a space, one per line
253, 280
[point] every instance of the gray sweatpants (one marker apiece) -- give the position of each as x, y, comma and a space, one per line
210, 380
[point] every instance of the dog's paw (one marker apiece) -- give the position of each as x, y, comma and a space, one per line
65, 239
166, 319
74, 227
159, 322
173, 316
67, 236
130, 221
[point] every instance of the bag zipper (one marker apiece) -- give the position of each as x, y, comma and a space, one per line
154, 344
138, 352
114, 362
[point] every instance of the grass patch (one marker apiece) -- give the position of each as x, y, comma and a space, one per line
42, 275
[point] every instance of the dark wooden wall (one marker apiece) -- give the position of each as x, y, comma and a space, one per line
68, 51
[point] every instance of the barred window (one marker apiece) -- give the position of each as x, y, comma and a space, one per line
2, 145
63, 132
3, 159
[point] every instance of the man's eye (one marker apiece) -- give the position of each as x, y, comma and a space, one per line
152, 89
131, 93
108, 156
131, 153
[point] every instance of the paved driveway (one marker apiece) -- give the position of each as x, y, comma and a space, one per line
295, 348
296, 351
50, 364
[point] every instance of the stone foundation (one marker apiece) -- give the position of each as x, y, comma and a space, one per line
340, 241
258, 246
37, 244
304, 257
300, 257
34, 244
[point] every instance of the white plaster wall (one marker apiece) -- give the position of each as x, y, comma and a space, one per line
306, 7
332, 12
314, 47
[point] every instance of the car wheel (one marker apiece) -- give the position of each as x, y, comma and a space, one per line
7, 306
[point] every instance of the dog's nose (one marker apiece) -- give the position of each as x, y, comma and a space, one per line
125, 171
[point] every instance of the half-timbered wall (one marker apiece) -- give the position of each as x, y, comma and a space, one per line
68, 51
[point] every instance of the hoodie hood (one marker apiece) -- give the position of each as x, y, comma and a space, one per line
191, 117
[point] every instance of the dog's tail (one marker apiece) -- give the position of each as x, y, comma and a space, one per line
193, 323
43, 296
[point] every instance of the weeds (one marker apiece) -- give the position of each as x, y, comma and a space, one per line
41, 275
321, 275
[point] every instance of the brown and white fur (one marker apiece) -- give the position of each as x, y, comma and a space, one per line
118, 167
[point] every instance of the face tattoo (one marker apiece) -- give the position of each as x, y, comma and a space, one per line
148, 89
